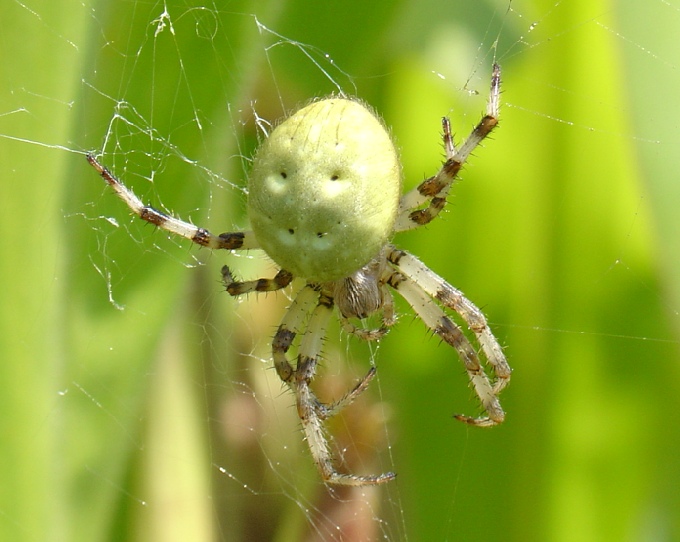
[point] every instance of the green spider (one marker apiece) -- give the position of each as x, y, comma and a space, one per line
324, 202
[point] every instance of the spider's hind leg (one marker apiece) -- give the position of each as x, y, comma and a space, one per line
226, 241
432, 192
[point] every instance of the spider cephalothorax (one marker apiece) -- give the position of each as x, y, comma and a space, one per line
324, 202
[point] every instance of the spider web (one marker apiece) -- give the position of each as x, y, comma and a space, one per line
163, 418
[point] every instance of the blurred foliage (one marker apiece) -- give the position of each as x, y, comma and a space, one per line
161, 421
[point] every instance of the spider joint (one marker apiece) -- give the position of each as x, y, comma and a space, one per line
157, 218
201, 237
231, 240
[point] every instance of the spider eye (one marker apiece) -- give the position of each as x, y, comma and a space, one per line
335, 177
284, 175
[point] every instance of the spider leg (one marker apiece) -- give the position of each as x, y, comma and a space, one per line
436, 188
312, 412
290, 326
452, 298
331, 409
200, 236
435, 318
235, 288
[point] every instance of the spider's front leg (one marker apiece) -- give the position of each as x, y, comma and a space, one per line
434, 317
312, 298
437, 288
311, 411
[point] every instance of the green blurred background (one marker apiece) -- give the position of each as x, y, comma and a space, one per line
136, 398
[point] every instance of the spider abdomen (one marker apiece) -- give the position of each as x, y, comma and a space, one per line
324, 190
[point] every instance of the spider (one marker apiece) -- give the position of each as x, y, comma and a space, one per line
324, 202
